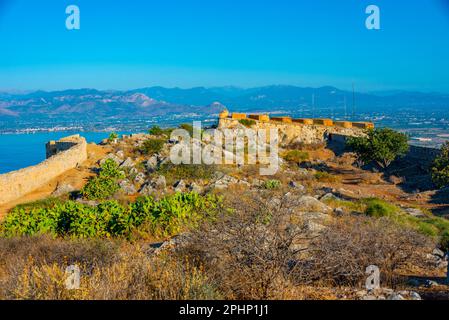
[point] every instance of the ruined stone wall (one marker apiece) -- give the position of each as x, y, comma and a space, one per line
311, 131
54, 147
422, 155
295, 132
16, 184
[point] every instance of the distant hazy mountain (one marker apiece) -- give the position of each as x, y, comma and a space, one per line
156, 101
93, 104
289, 97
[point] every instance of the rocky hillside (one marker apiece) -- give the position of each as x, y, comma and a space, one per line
308, 232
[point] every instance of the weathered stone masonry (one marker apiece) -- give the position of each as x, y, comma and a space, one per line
307, 131
62, 155
310, 131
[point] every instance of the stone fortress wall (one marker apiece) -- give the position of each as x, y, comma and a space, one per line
62, 155
306, 131
311, 131
424, 156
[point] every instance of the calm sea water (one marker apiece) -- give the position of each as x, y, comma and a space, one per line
18, 151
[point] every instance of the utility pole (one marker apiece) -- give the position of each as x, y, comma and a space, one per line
346, 109
353, 101
313, 105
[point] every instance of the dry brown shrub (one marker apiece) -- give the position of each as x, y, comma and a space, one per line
248, 252
372, 178
47, 250
138, 277
347, 159
306, 146
342, 253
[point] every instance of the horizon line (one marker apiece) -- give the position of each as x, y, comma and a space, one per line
374, 92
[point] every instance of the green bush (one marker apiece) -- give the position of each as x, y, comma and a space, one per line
152, 146
110, 169
444, 240
156, 131
187, 127
431, 226
296, 156
247, 122
190, 129
427, 229
440, 167
112, 136
99, 188
105, 185
272, 184
167, 217
378, 208
380, 145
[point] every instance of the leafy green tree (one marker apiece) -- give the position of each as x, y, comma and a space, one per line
440, 167
382, 146
112, 137
152, 146
156, 131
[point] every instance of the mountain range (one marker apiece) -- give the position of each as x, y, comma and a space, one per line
158, 101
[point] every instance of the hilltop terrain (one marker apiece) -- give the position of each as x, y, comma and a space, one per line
142, 228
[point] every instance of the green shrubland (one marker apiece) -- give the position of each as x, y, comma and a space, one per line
145, 217
429, 225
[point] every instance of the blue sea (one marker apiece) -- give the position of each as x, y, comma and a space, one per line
18, 151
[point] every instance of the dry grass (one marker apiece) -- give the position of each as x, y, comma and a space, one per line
121, 272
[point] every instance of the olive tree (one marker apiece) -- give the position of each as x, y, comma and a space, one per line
381, 145
440, 167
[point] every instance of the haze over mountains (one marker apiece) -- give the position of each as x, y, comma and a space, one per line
157, 101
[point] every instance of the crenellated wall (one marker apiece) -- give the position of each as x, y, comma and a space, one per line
311, 131
307, 131
62, 155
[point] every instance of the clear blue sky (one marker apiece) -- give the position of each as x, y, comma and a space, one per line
136, 43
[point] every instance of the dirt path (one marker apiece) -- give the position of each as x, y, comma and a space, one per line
75, 177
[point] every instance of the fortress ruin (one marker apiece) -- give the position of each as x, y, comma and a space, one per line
305, 131
62, 156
